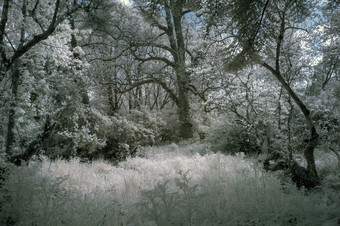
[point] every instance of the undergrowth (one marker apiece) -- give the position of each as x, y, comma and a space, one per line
169, 185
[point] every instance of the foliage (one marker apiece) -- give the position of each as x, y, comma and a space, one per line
49, 84
231, 138
89, 134
166, 206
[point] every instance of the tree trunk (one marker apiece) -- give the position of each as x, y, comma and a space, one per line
186, 130
173, 13
74, 43
112, 104
279, 109
11, 117
313, 135
289, 123
15, 85
3, 23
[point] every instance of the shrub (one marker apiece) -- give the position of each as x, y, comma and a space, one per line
170, 131
231, 138
91, 135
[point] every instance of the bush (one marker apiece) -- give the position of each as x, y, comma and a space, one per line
79, 131
231, 138
91, 135
170, 131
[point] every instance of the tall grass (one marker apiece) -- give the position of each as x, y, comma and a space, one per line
167, 185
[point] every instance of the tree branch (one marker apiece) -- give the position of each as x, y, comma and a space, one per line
260, 23
44, 35
153, 19
152, 80
186, 12
153, 58
297, 28
164, 47
194, 90
279, 42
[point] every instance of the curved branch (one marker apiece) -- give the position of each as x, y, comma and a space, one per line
297, 28
152, 80
160, 46
107, 59
186, 12
153, 58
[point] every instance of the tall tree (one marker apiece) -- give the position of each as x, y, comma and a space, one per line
168, 16
258, 30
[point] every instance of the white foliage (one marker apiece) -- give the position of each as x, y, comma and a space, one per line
170, 184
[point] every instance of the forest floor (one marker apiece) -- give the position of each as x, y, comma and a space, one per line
182, 184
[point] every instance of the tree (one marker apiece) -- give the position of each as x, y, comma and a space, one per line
24, 25
258, 30
168, 18
288, 10
158, 36
323, 92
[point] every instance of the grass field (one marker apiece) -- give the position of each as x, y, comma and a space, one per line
167, 185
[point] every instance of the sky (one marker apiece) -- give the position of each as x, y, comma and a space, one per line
126, 2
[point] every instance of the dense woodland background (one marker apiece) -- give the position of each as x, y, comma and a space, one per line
104, 79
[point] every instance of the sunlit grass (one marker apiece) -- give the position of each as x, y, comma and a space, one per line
169, 185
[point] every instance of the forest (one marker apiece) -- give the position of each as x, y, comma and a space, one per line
169, 112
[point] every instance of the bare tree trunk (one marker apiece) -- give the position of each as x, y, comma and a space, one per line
112, 92
186, 130
112, 106
74, 44
11, 117
279, 109
184, 111
15, 85
290, 115
3, 23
